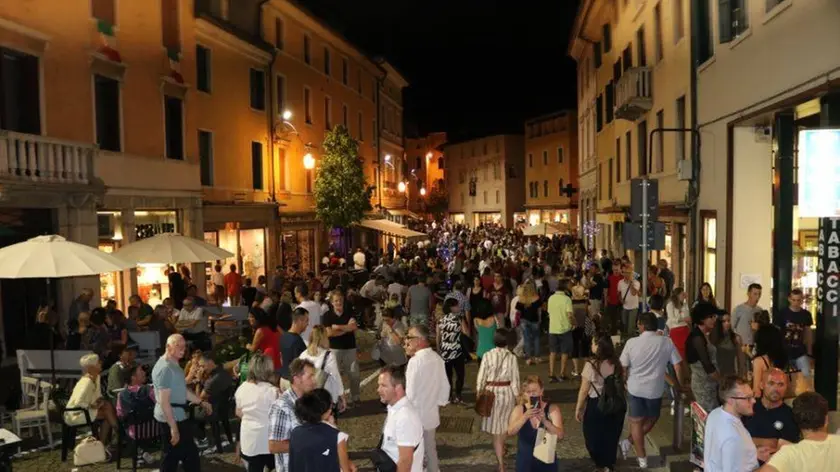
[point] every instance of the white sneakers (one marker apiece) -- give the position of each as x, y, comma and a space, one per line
625, 447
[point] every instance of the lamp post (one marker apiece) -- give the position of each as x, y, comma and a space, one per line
403, 188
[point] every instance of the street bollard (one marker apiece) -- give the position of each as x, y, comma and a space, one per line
679, 418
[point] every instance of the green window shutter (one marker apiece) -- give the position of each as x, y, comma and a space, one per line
725, 20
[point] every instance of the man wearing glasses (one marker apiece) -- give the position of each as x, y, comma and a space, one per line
727, 445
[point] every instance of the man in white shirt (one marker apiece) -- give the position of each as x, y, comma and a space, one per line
374, 289
645, 359
402, 436
313, 308
193, 324
359, 259
427, 387
727, 445
629, 291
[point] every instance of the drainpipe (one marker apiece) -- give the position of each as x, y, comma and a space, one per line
378, 143
272, 122
694, 184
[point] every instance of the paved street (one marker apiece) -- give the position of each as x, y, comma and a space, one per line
461, 445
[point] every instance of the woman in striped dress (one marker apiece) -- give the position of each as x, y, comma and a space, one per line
499, 373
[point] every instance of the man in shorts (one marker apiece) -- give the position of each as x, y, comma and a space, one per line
645, 358
560, 326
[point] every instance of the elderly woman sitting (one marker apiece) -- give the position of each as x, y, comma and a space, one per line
88, 395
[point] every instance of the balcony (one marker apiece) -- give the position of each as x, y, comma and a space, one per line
634, 94
41, 159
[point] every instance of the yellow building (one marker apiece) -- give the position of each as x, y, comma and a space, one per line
426, 163
633, 78
485, 179
551, 176
395, 167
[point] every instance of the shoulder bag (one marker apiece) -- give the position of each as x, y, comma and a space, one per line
321, 375
545, 445
486, 397
382, 462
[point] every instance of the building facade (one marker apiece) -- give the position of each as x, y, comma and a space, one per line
757, 224
394, 166
633, 78
551, 169
427, 166
485, 180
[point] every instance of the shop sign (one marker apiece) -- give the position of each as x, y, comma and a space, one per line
819, 172
828, 268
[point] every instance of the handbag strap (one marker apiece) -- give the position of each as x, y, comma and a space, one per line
324, 362
592, 384
498, 368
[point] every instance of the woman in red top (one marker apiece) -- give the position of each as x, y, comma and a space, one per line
266, 336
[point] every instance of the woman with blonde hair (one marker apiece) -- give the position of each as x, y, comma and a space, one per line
253, 402
531, 414
530, 308
319, 354
88, 401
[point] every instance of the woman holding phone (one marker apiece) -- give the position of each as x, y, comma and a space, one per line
528, 417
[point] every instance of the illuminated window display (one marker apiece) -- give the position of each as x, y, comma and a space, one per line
248, 247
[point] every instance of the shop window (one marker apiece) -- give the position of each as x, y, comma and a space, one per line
108, 120
709, 221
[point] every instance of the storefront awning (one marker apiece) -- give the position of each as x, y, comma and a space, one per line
395, 229
407, 213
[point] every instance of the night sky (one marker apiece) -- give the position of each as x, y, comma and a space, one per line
476, 67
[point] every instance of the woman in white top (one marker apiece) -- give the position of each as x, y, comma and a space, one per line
88, 395
253, 401
319, 354
678, 318
601, 431
499, 373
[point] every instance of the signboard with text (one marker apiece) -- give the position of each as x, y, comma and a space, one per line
828, 299
819, 172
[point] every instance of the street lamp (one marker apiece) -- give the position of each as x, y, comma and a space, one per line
287, 115
423, 192
401, 187
308, 161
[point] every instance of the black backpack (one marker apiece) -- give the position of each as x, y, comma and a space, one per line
612, 399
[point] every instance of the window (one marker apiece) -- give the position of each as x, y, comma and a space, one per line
545, 188
374, 133
307, 105
609, 94
597, 54
462, 177
599, 113
560, 187
485, 197
174, 127
680, 123
610, 180
705, 40
617, 159
170, 26
644, 165
258, 89
627, 57
107, 103
641, 46
327, 62
606, 38
279, 32
617, 70
659, 150
418, 164
545, 158
205, 156
600, 178
105, 11
361, 127
679, 21
771, 4
498, 197
345, 119
307, 50
628, 154
202, 66
709, 218
345, 71
732, 19
559, 155
21, 92
657, 33
327, 113
257, 165
280, 82
530, 160
440, 163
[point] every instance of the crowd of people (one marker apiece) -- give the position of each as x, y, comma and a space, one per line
488, 295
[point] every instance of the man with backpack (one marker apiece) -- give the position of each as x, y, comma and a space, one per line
645, 359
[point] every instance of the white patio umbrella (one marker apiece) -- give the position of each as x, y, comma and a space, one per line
544, 229
52, 256
171, 248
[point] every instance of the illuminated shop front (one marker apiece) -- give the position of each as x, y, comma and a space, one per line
487, 218
248, 248
457, 218
152, 282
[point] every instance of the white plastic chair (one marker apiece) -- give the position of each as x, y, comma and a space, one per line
38, 415
29, 397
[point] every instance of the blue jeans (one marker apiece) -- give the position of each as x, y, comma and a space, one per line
531, 330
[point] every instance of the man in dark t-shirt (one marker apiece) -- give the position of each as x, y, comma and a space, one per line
341, 326
772, 419
795, 323
291, 342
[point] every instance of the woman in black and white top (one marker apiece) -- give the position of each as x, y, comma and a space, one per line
449, 330
499, 373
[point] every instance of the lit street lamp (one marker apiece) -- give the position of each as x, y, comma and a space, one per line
423, 192
401, 187
308, 161
287, 115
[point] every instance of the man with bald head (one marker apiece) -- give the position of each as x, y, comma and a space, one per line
171, 396
772, 420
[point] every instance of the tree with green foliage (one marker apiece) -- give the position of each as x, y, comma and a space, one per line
342, 195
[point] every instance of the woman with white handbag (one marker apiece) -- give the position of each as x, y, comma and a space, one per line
87, 395
539, 425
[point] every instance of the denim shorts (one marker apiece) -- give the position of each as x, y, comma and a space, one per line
644, 407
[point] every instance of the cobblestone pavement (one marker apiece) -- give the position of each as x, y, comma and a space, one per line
459, 451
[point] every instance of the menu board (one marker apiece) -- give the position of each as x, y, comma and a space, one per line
698, 431
819, 172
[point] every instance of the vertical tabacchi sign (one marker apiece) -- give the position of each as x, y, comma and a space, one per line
828, 300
